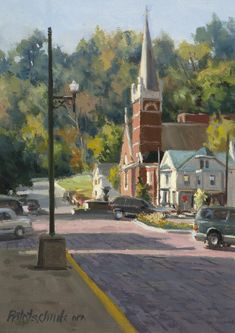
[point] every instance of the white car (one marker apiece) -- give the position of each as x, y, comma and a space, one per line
11, 223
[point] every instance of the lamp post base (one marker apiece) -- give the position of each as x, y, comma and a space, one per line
52, 252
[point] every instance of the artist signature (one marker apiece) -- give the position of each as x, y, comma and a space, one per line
27, 316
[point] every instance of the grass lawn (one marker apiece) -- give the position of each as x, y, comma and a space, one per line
81, 183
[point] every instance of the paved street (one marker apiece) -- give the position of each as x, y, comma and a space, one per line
164, 282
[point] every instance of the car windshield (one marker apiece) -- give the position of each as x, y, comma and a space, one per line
209, 213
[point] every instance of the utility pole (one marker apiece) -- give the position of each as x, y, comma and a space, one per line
158, 177
226, 168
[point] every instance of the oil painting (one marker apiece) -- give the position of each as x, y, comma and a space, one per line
117, 166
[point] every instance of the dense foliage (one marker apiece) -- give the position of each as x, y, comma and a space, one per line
197, 77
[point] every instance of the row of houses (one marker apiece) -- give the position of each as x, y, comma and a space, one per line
181, 174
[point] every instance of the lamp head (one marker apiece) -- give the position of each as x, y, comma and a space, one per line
74, 87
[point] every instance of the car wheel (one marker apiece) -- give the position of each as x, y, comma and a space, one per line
214, 240
19, 231
118, 214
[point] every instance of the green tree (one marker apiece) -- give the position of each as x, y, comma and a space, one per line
217, 133
142, 190
16, 167
200, 198
114, 177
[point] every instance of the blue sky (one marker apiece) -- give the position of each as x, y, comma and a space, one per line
72, 20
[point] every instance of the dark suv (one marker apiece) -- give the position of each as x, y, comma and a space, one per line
216, 226
124, 205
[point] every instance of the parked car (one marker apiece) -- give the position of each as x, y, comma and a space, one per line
11, 202
11, 223
31, 206
124, 206
215, 226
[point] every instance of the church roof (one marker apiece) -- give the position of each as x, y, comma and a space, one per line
147, 64
182, 136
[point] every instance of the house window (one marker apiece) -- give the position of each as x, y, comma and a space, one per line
207, 164
186, 180
201, 164
167, 179
198, 180
126, 180
212, 179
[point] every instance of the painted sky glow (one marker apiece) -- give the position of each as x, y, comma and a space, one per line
72, 20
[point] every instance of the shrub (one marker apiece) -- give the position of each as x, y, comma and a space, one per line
142, 190
200, 198
158, 220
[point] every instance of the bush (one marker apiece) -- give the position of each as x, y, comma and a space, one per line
142, 190
157, 220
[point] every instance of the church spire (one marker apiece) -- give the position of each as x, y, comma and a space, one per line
147, 65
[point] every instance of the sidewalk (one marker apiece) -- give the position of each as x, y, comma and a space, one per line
35, 301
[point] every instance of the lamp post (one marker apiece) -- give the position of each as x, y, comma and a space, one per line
52, 247
226, 168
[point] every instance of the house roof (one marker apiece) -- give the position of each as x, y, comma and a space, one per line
104, 168
222, 158
180, 157
204, 151
183, 136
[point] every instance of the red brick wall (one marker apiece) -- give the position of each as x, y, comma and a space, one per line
193, 118
146, 128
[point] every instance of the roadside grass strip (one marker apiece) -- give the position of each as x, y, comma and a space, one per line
109, 305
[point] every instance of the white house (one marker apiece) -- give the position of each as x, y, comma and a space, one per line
183, 172
100, 181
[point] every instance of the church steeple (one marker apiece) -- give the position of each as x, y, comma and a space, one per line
147, 66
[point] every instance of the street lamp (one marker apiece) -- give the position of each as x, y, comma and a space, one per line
52, 247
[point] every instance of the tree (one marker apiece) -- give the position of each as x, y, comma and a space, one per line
107, 144
16, 167
218, 131
200, 198
142, 190
220, 36
114, 177
28, 60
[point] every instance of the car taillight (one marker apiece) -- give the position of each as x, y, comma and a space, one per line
195, 227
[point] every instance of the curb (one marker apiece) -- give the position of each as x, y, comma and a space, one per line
109, 305
148, 227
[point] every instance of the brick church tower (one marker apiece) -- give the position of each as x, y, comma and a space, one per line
141, 150
146, 101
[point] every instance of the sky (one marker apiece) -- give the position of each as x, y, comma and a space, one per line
72, 20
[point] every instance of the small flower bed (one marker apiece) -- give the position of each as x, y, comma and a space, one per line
158, 220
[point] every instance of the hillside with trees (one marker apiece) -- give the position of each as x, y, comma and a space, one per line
197, 77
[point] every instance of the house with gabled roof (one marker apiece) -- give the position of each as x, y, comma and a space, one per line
183, 172
100, 181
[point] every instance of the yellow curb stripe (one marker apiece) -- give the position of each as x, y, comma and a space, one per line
109, 305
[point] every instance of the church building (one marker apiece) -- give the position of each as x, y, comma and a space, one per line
146, 138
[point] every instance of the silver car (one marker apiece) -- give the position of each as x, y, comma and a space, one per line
11, 223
